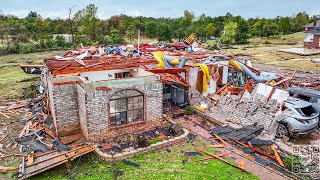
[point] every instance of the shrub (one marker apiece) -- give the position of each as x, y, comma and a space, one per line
59, 42
27, 48
188, 110
267, 42
156, 140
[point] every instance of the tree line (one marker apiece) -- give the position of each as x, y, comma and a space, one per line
34, 32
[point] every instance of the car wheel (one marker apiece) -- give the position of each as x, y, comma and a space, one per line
282, 131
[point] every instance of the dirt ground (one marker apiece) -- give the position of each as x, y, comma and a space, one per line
270, 55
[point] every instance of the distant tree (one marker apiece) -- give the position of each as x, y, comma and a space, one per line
260, 28
33, 14
165, 33
230, 31
210, 29
272, 29
242, 32
284, 25
115, 37
301, 19
131, 33
151, 29
187, 19
71, 22
89, 21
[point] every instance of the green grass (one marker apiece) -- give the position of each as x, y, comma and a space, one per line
154, 165
13, 80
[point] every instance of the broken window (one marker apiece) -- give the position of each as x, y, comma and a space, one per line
166, 89
122, 75
126, 106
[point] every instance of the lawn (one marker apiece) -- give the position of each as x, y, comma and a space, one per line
164, 164
14, 83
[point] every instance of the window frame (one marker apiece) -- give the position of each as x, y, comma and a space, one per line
127, 109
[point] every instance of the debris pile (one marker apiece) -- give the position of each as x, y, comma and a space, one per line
36, 134
130, 142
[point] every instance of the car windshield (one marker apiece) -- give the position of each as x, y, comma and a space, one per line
306, 111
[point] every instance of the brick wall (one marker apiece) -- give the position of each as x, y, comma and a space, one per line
97, 103
65, 100
82, 110
314, 44
51, 100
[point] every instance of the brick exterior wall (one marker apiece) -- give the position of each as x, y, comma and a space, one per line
64, 108
80, 107
314, 44
98, 111
82, 110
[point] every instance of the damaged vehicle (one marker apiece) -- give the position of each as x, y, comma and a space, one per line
310, 95
300, 119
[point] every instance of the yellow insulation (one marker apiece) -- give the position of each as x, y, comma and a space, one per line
206, 76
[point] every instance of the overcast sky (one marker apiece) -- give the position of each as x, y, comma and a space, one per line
163, 8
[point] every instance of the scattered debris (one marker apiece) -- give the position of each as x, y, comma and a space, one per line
127, 162
220, 159
193, 154
5, 169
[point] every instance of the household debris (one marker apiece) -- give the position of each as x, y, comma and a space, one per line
221, 86
140, 140
220, 159
127, 162
50, 159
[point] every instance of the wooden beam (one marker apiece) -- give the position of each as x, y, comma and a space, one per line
223, 87
220, 159
170, 70
278, 158
64, 83
103, 89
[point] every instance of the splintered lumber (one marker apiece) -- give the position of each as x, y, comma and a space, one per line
211, 157
220, 139
220, 159
278, 158
249, 157
30, 158
3, 137
51, 159
216, 146
234, 122
5, 169
223, 87
254, 149
241, 164
293, 74
4, 115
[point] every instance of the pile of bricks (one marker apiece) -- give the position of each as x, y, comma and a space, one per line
245, 112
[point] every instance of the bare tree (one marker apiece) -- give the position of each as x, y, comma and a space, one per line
71, 21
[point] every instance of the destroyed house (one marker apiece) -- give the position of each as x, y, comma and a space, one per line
312, 38
312, 25
103, 98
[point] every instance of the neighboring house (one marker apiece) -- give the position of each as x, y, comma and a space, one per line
311, 25
312, 38
67, 37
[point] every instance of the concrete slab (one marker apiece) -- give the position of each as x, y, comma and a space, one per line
301, 51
